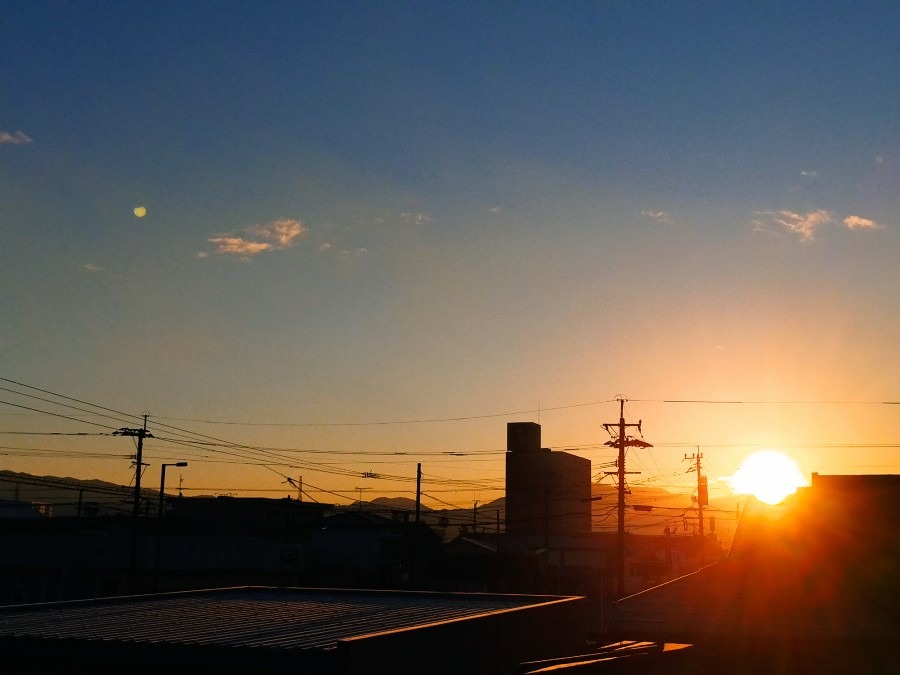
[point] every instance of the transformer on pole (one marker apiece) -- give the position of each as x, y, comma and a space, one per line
621, 441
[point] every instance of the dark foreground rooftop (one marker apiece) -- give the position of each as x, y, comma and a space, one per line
263, 629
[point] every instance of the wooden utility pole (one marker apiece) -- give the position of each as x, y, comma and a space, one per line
621, 441
360, 490
418, 491
702, 488
414, 566
140, 434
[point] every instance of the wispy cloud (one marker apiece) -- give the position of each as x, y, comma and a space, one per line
860, 223
659, 216
348, 254
806, 225
496, 209
802, 224
415, 218
91, 267
273, 236
324, 246
239, 246
17, 138
283, 232
809, 174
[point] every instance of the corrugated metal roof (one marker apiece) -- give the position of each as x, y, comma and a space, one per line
269, 618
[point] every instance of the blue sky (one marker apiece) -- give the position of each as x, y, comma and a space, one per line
387, 212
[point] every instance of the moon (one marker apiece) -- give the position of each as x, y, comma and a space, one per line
140, 211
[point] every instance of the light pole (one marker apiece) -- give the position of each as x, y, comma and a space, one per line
159, 519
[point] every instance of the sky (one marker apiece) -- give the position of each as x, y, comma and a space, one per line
326, 243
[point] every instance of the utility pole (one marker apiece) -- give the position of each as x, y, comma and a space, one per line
621, 441
297, 484
140, 434
418, 490
702, 488
360, 490
414, 563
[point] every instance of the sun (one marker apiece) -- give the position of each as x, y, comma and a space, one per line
768, 475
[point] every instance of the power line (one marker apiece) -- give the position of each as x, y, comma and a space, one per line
463, 418
52, 414
395, 422
759, 402
39, 452
68, 398
450, 419
65, 405
264, 456
52, 433
384, 453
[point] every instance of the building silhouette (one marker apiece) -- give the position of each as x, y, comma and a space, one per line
547, 493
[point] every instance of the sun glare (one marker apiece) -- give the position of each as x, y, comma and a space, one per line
768, 475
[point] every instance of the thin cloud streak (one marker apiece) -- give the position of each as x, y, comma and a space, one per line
802, 224
281, 231
659, 216
417, 218
17, 138
860, 223
274, 236
239, 246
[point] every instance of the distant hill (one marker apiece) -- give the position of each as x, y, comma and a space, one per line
398, 503
64, 494
649, 510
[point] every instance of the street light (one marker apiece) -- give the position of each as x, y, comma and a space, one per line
159, 519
